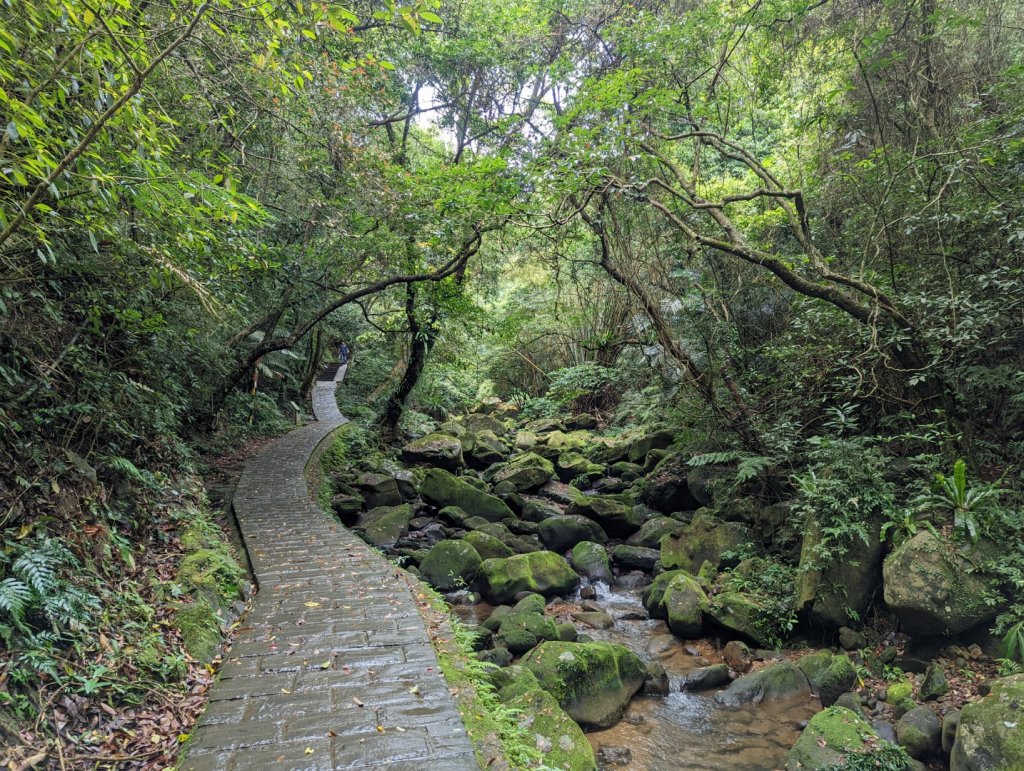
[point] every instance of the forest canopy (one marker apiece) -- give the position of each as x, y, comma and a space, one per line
767, 224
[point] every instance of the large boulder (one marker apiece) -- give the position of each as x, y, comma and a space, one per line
919, 732
571, 465
683, 604
991, 730
558, 737
838, 593
483, 449
635, 557
653, 530
477, 422
526, 472
542, 572
384, 525
777, 682
592, 682
435, 449
931, 586
443, 489
521, 631
561, 533
741, 613
666, 489
617, 519
590, 559
832, 738
653, 596
487, 546
705, 538
379, 490
830, 676
450, 565
656, 440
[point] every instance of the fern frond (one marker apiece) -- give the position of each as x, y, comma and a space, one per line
125, 467
716, 458
37, 569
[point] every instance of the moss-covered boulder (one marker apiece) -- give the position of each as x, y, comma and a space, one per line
835, 594
482, 449
523, 630
561, 533
830, 676
527, 472
635, 557
656, 440
616, 518
666, 488
200, 629
683, 604
919, 732
653, 530
592, 682
832, 738
561, 493
655, 592
703, 539
777, 682
590, 559
487, 546
542, 572
933, 588
991, 730
571, 465
561, 442
383, 526
537, 510
743, 614
450, 565
558, 737
435, 449
443, 489
478, 422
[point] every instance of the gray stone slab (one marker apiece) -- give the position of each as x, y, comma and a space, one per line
333, 667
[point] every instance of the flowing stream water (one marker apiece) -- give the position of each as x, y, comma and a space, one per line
683, 731
688, 731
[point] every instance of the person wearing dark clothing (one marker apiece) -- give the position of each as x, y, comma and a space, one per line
343, 352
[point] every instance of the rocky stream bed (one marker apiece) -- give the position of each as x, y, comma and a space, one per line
616, 597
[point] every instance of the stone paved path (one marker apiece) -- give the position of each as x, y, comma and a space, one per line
332, 668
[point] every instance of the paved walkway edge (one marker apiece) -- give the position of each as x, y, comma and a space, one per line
333, 666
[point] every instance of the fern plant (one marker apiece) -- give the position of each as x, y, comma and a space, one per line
748, 466
968, 505
35, 595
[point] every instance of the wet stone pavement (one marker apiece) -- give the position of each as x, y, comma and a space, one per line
333, 667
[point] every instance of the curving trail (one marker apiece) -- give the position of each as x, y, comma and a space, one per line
322, 672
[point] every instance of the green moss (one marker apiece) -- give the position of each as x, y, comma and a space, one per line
487, 546
443, 489
555, 734
493, 728
212, 572
541, 572
838, 738
830, 676
592, 682
200, 629
450, 565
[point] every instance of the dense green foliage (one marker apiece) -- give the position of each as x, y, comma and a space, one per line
791, 231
